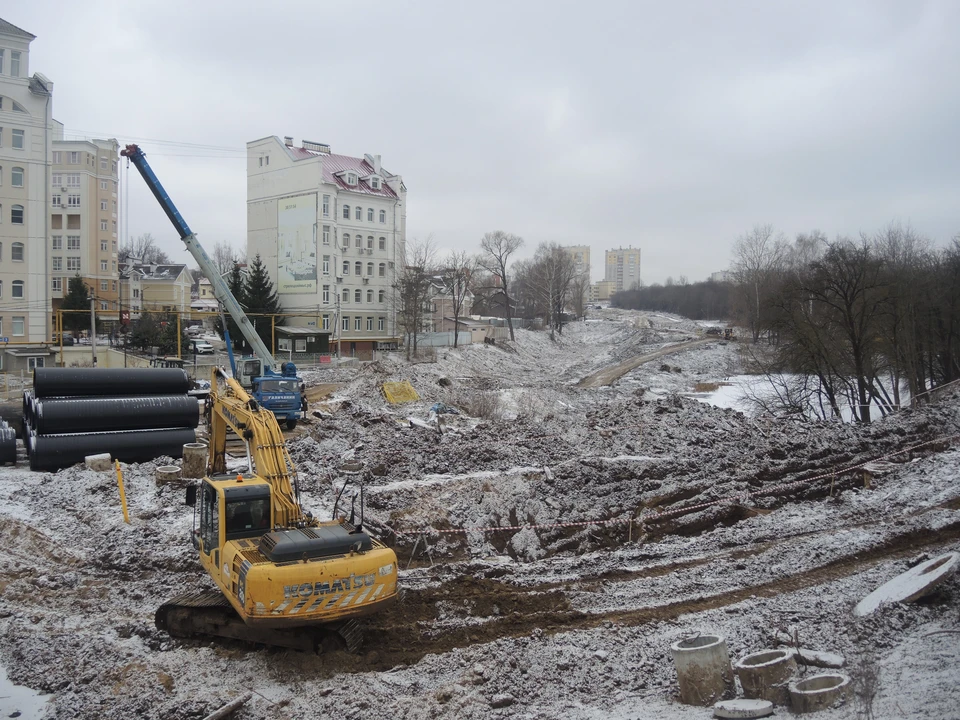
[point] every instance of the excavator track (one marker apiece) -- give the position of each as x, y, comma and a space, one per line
209, 613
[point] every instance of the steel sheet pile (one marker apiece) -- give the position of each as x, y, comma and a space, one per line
135, 414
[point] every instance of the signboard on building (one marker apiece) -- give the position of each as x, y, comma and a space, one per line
297, 244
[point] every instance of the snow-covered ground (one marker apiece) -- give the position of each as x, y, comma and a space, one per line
638, 516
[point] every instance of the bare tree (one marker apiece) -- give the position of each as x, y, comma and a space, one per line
546, 282
145, 249
758, 258
225, 256
579, 287
497, 248
413, 289
456, 275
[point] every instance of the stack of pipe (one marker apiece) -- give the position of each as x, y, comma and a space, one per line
135, 414
8, 444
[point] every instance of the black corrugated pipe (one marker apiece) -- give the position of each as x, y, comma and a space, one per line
52, 452
99, 414
67, 382
8, 444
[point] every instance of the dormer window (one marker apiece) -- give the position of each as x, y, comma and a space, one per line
375, 183
351, 179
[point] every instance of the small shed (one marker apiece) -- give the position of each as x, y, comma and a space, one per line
302, 340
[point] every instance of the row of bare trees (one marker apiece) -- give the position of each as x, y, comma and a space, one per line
546, 286
854, 320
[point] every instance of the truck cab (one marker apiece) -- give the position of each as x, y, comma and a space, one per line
280, 394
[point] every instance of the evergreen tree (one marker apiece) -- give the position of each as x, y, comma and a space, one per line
260, 297
77, 298
158, 331
237, 287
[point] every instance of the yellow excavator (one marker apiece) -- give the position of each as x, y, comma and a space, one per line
284, 577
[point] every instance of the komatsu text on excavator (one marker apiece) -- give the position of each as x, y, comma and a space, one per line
284, 577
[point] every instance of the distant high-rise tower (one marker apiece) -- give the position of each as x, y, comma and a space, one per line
622, 268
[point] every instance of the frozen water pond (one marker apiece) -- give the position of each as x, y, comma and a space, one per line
19, 699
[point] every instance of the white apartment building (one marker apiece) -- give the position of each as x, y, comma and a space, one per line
580, 254
331, 231
622, 268
27, 132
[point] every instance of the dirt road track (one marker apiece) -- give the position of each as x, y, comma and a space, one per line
610, 375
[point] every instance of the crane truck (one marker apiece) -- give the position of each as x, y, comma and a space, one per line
278, 392
283, 577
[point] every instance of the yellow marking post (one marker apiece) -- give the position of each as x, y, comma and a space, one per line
399, 392
123, 495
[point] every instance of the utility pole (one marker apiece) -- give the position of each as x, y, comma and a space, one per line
93, 329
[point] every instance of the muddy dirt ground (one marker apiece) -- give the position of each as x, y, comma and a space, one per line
637, 515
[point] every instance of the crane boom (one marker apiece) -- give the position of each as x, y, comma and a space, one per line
221, 291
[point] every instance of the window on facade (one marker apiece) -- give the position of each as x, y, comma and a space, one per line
56, 200
73, 242
103, 226
346, 240
326, 264
346, 267
359, 241
103, 266
103, 245
346, 323
1, 62
369, 296
346, 295
358, 214
136, 292
369, 214
380, 296
103, 304
346, 212
383, 216
358, 296
351, 179
114, 264
103, 184
16, 214
369, 242
383, 243
103, 163
326, 294
57, 264
56, 180
73, 263
325, 322
357, 323
17, 291
326, 234
369, 323
300, 346
73, 201
18, 139
73, 158
380, 323
383, 269
326, 206
58, 242
14, 63
73, 180
370, 269
56, 284
358, 268
113, 285
375, 183
57, 157
16, 177
113, 245
103, 205
103, 285
16, 252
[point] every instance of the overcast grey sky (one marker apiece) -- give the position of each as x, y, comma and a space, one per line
669, 126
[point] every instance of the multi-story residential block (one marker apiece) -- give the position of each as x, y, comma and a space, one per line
581, 259
331, 231
622, 268
83, 221
27, 132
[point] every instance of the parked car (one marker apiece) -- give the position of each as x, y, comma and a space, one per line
201, 347
195, 330
67, 339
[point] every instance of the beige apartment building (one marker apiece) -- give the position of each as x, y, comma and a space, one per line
622, 268
83, 221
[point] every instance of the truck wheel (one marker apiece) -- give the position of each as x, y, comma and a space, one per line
291, 423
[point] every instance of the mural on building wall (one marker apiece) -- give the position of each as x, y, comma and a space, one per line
297, 244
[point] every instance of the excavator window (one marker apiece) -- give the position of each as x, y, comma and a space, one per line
247, 517
209, 518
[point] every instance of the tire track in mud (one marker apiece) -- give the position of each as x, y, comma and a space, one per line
610, 375
404, 634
